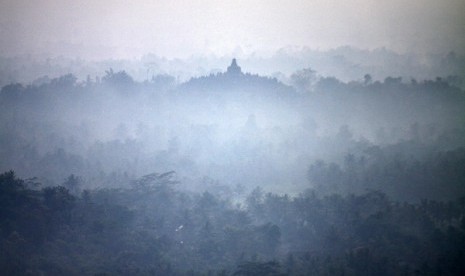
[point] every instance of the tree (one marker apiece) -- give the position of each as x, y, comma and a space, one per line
73, 183
65, 81
304, 80
12, 91
59, 202
367, 79
119, 80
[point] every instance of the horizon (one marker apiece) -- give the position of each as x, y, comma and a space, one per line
117, 30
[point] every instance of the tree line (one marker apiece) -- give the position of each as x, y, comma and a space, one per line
152, 228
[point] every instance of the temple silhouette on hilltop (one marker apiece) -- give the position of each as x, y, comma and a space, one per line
234, 69
235, 81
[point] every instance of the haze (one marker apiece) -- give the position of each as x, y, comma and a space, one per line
232, 138
178, 29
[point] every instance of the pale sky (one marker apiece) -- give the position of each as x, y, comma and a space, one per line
175, 28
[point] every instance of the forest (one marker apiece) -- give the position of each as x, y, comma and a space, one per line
232, 173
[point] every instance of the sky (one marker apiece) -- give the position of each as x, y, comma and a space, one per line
178, 29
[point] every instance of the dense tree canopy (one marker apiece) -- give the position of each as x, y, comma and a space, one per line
342, 178
156, 229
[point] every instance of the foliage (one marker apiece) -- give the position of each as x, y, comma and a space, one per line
124, 231
389, 204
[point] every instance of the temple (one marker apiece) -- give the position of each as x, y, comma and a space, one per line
235, 82
234, 69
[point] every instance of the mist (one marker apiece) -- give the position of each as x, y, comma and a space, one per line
215, 138
118, 29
